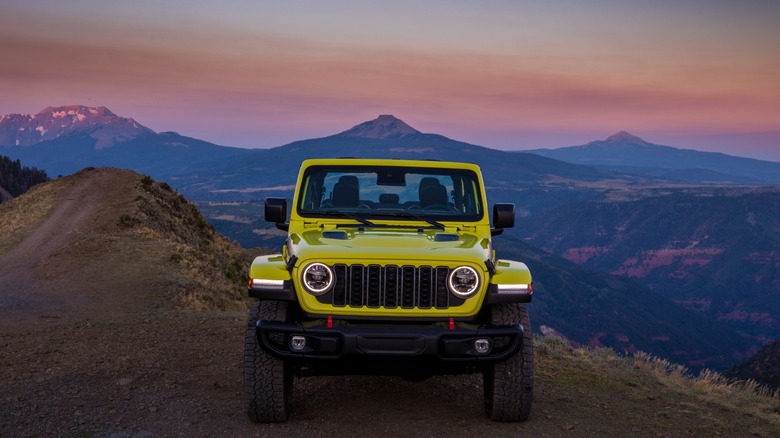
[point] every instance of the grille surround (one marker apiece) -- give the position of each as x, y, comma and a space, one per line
391, 287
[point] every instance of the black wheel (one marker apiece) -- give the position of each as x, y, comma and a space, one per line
509, 385
268, 381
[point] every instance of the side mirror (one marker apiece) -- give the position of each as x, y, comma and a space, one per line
276, 211
503, 217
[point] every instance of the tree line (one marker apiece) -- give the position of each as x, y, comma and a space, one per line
17, 179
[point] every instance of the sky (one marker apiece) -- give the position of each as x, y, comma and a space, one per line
700, 74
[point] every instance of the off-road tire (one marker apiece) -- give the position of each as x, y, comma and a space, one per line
268, 381
509, 385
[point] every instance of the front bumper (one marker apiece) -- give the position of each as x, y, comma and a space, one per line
442, 341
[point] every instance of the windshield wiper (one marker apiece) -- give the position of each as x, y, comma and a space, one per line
347, 216
368, 223
406, 215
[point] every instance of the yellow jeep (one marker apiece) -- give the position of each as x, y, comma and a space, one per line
388, 269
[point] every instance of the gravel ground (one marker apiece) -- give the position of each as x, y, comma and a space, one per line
166, 373
163, 373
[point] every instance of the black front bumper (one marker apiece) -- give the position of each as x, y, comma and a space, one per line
443, 342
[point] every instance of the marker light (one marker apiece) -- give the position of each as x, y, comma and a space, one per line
262, 283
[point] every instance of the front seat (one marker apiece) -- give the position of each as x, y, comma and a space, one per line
433, 193
346, 192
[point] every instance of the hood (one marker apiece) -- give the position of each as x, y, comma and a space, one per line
399, 247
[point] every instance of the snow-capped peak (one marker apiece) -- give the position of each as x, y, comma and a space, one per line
98, 123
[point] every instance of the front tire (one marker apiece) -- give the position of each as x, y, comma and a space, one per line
268, 381
509, 385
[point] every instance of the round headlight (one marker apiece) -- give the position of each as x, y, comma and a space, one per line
317, 278
463, 281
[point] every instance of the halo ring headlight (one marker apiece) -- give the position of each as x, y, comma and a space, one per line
463, 281
317, 278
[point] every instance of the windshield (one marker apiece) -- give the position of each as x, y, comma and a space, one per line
411, 193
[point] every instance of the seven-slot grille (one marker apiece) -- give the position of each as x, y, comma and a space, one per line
391, 286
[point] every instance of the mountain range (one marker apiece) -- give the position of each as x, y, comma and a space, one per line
624, 152
96, 136
631, 211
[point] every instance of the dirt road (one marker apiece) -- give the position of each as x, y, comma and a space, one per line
178, 373
169, 374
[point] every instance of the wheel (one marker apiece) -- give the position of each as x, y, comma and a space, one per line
268, 381
509, 385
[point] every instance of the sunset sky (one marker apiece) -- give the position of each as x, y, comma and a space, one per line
702, 74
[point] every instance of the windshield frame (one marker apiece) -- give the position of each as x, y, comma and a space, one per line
469, 182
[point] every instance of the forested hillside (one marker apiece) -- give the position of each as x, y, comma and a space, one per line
16, 179
764, 367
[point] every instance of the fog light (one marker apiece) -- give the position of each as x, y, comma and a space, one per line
297, 343
482, 346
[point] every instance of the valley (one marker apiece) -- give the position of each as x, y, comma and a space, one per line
714, 252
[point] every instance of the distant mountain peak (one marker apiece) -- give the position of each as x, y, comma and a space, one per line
56, 121
75, 110
624, 137
383, 127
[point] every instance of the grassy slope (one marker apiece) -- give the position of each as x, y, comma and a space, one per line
117, 229
648, 395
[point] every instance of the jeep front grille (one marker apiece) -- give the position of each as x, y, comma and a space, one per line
375, 286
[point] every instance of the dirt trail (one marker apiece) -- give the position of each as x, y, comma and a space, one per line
20, 268
74, 264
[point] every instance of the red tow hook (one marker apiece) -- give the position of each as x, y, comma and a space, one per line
452, 324
330, 321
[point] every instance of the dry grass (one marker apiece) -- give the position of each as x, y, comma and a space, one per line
18, 221
709, 386
657, 395
211, 269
